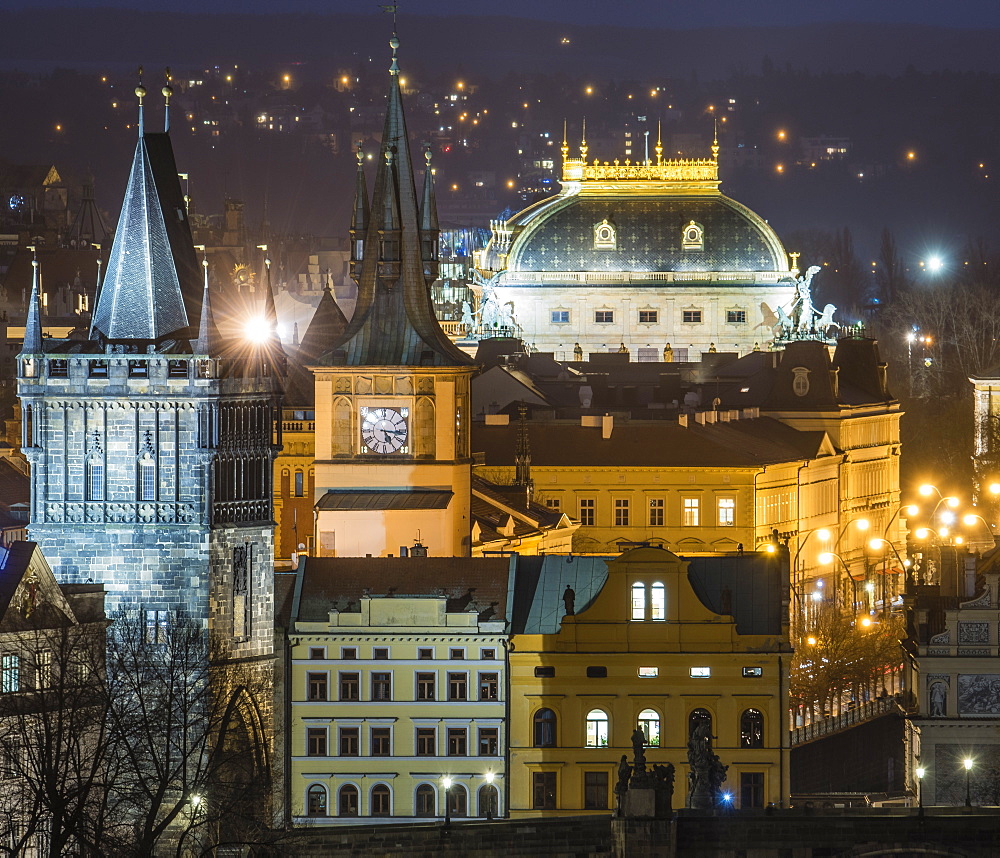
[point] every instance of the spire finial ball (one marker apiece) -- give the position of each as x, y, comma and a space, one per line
427, 154
361, 155
167, 91
394, 43
140, 91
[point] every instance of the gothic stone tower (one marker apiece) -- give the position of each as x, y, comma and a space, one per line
151, 443
392, 395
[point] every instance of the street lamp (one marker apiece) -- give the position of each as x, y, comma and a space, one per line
921, 771
967, 762
447, 802
828, 557
488, 777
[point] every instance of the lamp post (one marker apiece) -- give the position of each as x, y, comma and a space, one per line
828, 557
447, 802
490, 793
875, 544
921, 771
799, 567
967, 762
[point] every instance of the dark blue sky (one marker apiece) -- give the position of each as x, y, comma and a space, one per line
685, 14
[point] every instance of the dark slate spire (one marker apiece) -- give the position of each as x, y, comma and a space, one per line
394, 322
429, 231
88, 225
151, 289
522, 454
327, 326
359, 220
33, 321
208, 334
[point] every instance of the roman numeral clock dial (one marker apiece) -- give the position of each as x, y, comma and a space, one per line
384, 430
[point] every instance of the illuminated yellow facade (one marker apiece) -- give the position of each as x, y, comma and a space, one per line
644, 649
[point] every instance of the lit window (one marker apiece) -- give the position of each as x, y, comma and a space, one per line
657, 601
604, 317
560, 317
147, 478
691, 317
597, 729
621, 512
649, 672
649, 723
656, 512
648, 317
95, 479
638, 601
692, 510
701, 672
43, 669
752, 729
753, 671
10, 673
727, 512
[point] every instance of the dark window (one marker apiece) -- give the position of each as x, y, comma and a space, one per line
751, 789
299, 484
456, 654
425, 654
595, 790
380, 800
381, 686
656, 512
316, 684
488, 654
691, 317
350, 686
736, 317
316, 800
425, 686
425, 800
98, 369
316, 742
138, 369
697, 717
349, 653
458, 686
489, 686
458, 742
177, 369
489, 742
380, 742
458, 801
597, 672
317, 652
58, 368
752, 729
604, 317
350, 742
621, 512
545, 672
545, 728
543, 790
348, 800
648, 317
380, 653
426, 742
489, 801
587, 512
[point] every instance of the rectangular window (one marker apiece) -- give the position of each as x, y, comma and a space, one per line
736, 317
753, 671
587, 510
489, 742
157, 626
380, 742
426, 742
350, 741
621, 512
95, 479
751, 789
488, 654
648, 317
649, 672
701, 672
316, 741
316, 686
727, 512
348, 653
316, 653
691, 317
692, 512
555, 504
595, 790
543, 790
425, 654
560, 317
656, 512
43, 669
545, 672
456, 654
350, 686
299, 484
458, 742
147, 479
489, 686
381, 686
458, 686
380, 653
425, 686
597, 672
604, 317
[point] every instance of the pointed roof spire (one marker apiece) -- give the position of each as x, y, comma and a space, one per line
208, 333
522, 453
167, 91
359, 220
715, 140
88, 225
33, 320
390, 206
140, 91
565, 143
270, 311
428, 203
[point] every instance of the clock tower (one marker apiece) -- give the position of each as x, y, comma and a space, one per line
393, 463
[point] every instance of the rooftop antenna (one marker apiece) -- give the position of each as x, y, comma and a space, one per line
167, 91
140, 91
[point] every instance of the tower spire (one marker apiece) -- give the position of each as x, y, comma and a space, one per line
522, 453
429, 230
33, 320
359, 220
715, 140
565, 143
583, 141
167, 91
208, 334
140, 92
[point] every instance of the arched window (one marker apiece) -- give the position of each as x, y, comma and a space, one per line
95, 478
649, 723
697, 717
147, 478
316, 800
638, 601
489, 801
752, 729
347, 800
381, 800
597, 728
458, 801
657, 601
299, 484
545, 728
425, 800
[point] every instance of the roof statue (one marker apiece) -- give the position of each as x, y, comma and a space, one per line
394, 253
801, 320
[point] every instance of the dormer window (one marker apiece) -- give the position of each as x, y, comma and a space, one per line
605, 237
693, 237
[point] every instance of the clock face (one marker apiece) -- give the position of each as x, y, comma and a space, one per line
384, 430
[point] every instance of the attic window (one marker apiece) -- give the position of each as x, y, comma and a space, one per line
597, 672
545, 672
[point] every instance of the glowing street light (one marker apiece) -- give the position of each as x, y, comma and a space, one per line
967, 762
935, 264
921, 771
446, 782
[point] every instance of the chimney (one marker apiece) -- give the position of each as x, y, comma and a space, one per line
607, 426
682, 420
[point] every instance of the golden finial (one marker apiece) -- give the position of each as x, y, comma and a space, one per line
715, 141
659, 142
583, 141
794, 256
167, 91
565, 144
140, 92
427, 154
361, 155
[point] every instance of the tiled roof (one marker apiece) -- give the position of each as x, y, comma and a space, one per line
357, 499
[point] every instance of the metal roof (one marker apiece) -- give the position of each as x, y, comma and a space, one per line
365, 499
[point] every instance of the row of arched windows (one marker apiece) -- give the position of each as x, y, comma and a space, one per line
425, 801
597, 727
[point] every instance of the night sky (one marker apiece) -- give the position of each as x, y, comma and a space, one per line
659, 13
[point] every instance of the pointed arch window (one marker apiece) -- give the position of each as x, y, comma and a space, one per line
147, 478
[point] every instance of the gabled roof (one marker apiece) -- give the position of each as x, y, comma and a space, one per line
327, 326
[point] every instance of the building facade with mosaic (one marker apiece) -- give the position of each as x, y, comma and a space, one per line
649, 256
